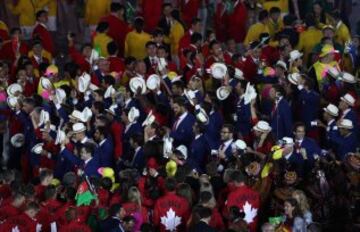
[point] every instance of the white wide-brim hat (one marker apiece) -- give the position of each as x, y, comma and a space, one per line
262, 126
332, 110
149, 119
238, 145
60, 137
350, 100
218, 70
84, 82
333, 72
222, 93
347, 77
37, 149
133, 114
13, 89
17, 140
44, 117
346, 124
239, 74
46, 83
137, 82
294, 55
78, 127
12, 101
183, 150
153, 82
294, 78
60, 95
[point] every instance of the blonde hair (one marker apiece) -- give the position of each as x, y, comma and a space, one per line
301, 199
134, 195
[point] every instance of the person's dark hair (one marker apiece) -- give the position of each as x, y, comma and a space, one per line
158, 32
289, 20
128, 219
129, 60
139, 24
115, 7
310, 20
106, 183
115, 209
40, 13
72, 69
100, 92
70, 193
102, 27
179, 84
109, 80
179, 101
32, 206
263, 15
195, 21
15, 30
166, 4
99, 106
138, 139
50, 192
85, 45
103, 131
112, 48
297, 125
279, 90
29, 101
44, 174
237, 177
235, 214
103, 119
150, 43
89, 147
293, 202
170, 184
309, 83
212, 43
274, 10
200, 127
196, 37
229, 127
205, 197
204, 212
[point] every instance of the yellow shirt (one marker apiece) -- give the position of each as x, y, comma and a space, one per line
95, 9
26, 9
274, 27
101, 40
282, 4
135, 44
342, 34
254, 32
176, 33
307, 41
3, 26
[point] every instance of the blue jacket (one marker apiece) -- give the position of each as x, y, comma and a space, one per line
62, 166
138, 160
199, 151
243, 122
111, 224
281, 120
297, 162
105, 153
183, 133
343, 145
213, 128
309, 101
311, 148
90, 169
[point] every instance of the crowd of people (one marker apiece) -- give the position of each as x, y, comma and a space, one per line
184, 115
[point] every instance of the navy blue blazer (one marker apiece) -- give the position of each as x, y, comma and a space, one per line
105, 153
311, 148
281, 120
90, 169
297, 162
135, 128
183, 134
199, 151
62, 166
111, 224
213, 128
309, 101
344, 145
243, 122
138, 160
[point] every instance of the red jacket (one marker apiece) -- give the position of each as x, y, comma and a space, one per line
146, 200
132, 208
171, 202
118, 30
151, 11
250, 68
42, 32
116, 65
22, 221
8, 211
79, 59
60, 213
189, 10
4, 35
75, 226
216, 220
7, 51
117, 129
220, 19
244, 196
236, 23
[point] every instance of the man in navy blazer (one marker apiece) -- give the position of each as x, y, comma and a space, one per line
105, 150
291, 158
345, 139
87, 164
199, 149
181, 130
309, 101
225, 149
347, 112
113, 223
311, 148
281, 116
138, 159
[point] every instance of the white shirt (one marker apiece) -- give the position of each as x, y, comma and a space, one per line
102, 142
